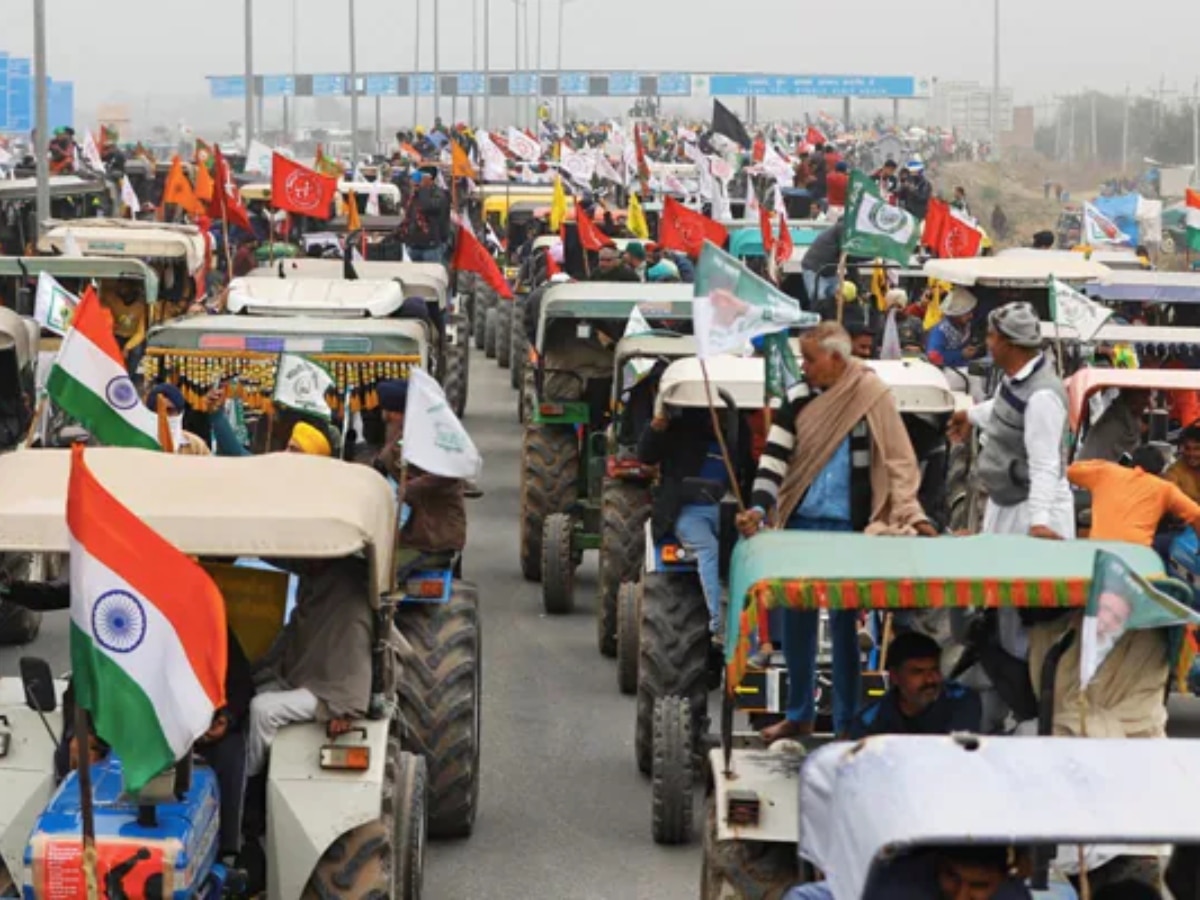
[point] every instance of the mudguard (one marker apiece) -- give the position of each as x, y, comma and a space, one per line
308, 808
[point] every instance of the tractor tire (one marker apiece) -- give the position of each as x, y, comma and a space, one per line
673, 648
672, 774
385, 857
748, 870
558, 565
624, 509
457, 367
549, 471
479, 324
525, 399
489, 332
518, 346
439, 700
504, 336
629, 615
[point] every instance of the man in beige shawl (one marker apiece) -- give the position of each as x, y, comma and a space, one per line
838, 458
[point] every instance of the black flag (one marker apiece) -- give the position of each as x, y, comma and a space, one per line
726, 123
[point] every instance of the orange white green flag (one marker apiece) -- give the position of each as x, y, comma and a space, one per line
90, 383
148, 639
1193, 220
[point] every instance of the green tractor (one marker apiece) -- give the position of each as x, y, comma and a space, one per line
565, 397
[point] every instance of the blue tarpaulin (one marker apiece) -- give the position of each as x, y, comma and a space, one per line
1121, 209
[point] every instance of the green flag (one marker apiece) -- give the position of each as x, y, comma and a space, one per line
875, 228
782, 369
733, 305
1121, 601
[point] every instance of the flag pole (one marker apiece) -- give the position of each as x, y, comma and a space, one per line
86, 812
716, 423
225, 241
841, 277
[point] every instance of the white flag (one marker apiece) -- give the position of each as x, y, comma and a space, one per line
631, 163
91, 153
750, 211
71, 245
129, 198
434, 439
721, 169
495, 166
605, 169
580, 166
54, 304
1099, 229
259, 159
636, 369
523, 145
301, 384
776, 166
372, 208
1073, 310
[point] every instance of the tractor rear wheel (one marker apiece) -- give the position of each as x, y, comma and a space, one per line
558, 565
439, 700
629, 613
673, 648
624, 509
519, 347
673, 774
549, 470
491, 323
457, 366
504, 335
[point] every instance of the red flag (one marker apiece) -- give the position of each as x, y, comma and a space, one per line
552, 266
226, 203
765, 229
679, 228
300, 190
470, 256
948, 234
784, 246
760, 149
591, 237
642, 167
815, 136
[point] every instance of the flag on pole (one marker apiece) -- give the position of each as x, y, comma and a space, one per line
259, 159
784, 245
227, 203
1193, 220
558, 205
302, 385
204, 184
91, 153
875, 228
950, 233
1099, 230
301, 190
461, 163
680, 228
1072, 309
89, 381
148, 634
471, 256
1121, 601
353, 221
590, 237
434, 438
605, 169
637, 368
54, 305
178, 190
523, 145
635, 219
129, 198
733, 305
782, 370
726, 123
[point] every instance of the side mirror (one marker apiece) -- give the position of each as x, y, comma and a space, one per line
38, 684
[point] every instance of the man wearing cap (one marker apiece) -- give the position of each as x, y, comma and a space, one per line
437, 518
635, 258
949, 343
1022, 464
916, 190
612, 268
425, 219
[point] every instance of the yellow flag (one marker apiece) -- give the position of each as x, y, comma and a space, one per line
879, 286
635, 221
558, 206
933, 312
353, 222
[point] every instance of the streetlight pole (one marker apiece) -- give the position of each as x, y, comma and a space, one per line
42, 194
353, 94
437, 70
537, 103
517, 57
996, 77
487, 63
416, 69
249, 73
525, 102
292, 127
474, 54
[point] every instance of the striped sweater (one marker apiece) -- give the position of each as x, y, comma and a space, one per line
781, 443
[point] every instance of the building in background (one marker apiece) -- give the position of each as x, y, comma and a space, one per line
966, 107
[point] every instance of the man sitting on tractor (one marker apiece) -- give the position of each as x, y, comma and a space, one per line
1184, 473
838, 458
919, 701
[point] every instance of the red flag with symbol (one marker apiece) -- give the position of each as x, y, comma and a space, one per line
766, 230
591, 237
948, 234
815, 136
226, 203
680, 228
471, 256
300, 190
784, 246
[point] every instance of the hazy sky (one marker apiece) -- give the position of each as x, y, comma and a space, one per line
134, 50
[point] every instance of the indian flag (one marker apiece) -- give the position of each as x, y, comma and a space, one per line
1193, 219
90, 383
148, 639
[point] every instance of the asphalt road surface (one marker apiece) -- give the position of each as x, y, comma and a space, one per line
564, 814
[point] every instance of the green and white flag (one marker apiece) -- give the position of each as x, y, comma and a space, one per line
434, 438
1073, 310
54, 305
875, 228
733, 305
302, 384
782, 368
1121, 601
636, 369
